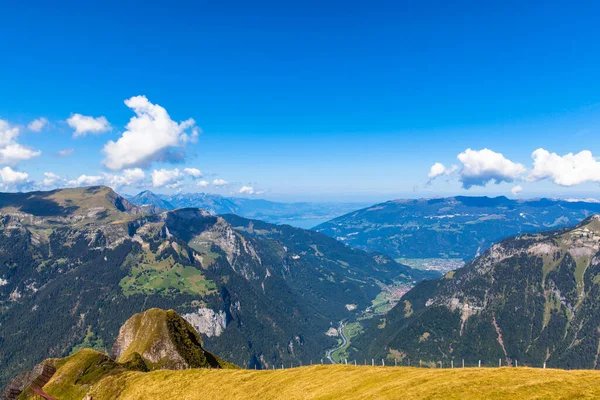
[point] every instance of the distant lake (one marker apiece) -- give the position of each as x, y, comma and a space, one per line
306, 223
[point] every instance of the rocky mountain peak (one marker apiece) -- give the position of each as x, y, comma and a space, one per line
164, 340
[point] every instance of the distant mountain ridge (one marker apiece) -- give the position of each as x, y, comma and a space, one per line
301, 214
453, 227
147, 198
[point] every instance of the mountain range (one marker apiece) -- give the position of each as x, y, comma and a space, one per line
454, 227
530, 299
303, 214
76, 263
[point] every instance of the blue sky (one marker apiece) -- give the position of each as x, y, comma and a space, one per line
309, 100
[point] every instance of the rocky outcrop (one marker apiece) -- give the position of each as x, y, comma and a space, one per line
207, 321
35, 380
164, 340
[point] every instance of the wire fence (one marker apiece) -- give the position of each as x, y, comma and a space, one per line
419, 364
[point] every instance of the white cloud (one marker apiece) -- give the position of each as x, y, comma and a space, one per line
193, 172
12, 177
568, 170
203, 183
483, 166
8, 133
165, 177
247, 190
220, 182
438, 169
50, 179
129, 177
87, 180
84, 125
151, 135
66, 152
516, 190
15, 152
12, 152
37, 124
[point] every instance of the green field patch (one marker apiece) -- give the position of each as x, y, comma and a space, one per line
165, 277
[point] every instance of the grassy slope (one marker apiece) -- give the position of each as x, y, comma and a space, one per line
345, 382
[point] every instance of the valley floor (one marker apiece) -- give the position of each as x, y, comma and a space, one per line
353, 382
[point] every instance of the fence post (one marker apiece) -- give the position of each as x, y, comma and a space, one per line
372, 362
452, 364
395, 362
499, 363
517, 363
355, 363
463, 362
420, 363
346, 361
382, 363
479, 363
544, 364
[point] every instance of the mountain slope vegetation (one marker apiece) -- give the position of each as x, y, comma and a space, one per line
531, 299
76, 263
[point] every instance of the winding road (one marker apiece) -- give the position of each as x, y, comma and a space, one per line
329, 353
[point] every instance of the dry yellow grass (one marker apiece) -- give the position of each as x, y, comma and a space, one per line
350, 382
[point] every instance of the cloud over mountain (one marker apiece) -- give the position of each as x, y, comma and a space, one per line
438, 169
164, 177
568, 170
483, 166
151, 135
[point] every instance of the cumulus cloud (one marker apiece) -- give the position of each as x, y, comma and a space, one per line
12, 152
516, 190
220, 182
438, 169
37, 124
84, 125
483, 166
87, 180
166, 177
568, 170
50, 179
15, 152
8, 133
193, 172
129, 177
247, 190
151, 135
202, 183
12, 177
66, 152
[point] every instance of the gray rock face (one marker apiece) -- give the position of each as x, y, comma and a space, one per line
207, 321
